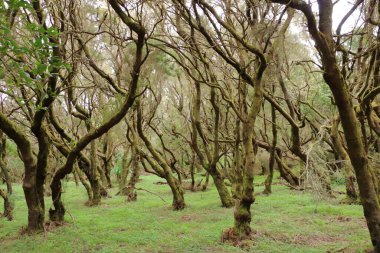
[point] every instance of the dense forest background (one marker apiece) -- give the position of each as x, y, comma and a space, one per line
200, 95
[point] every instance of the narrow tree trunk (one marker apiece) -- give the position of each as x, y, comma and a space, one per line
101, 174
205, 185
124, 172
285, 172
106, 166
8, 207
76, 177
8, 204
237, 169
95, 178
3, 166
272, 158
49, 175
130, 191
192, 172
84, 182
242, 214
345, 160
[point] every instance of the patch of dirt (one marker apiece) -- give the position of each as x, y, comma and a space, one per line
53, 225
119, 229
187, 217
99, 247
344, 219
315, 240
49, 226
9, 238
302, 239
348, 249
160, 183
272, 236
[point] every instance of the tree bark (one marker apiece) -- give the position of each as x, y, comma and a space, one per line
8, 205
32, 189
95, 177
322, 36
85, 184
345, 160
59, 211
125, 168
130, 191
165, 171
272, 157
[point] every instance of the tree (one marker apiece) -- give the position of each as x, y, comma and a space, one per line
322, 35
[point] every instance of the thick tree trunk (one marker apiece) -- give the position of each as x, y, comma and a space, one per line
35, 201
242, 213
177, 191
34, 176
33, 184
358, 156
222, 189
96, 191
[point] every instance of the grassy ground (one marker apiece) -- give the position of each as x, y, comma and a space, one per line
286, 221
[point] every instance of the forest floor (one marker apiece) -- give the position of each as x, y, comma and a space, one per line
286, 221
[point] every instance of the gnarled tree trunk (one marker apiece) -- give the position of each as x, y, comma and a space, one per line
130, 189
325, 44
345, 160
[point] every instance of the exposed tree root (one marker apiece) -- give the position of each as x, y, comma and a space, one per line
238, 240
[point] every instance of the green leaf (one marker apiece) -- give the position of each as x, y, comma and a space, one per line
41, 68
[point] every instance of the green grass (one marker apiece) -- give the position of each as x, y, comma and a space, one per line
286, 221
